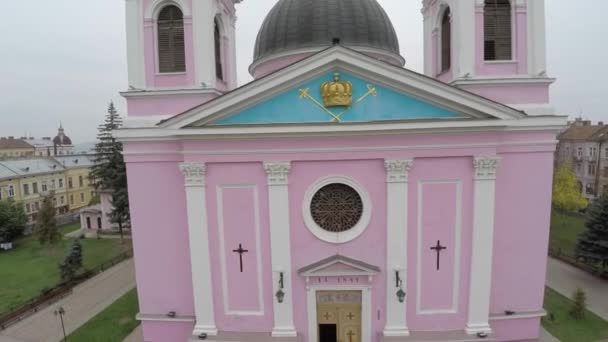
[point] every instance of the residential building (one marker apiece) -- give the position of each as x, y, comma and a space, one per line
14, 148
60, 145
584, 147
28, 180
339, 196
79, 189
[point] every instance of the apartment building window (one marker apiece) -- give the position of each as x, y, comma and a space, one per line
36, 206
579, 152
606, 171
28, 208
80, 181
72, 199
592, 152
82, 197
70, 185
591, 169
26, 189
44, 187
60, 180
55, 202
35, 188
61, 199
606, 153
52, 184
579, 168
11, 191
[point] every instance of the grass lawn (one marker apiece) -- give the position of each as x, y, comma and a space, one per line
112, 324
565, 229
29, 267
590, 329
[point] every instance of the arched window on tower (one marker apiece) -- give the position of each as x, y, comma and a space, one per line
446, 41
497, 30
219, 72
171, 47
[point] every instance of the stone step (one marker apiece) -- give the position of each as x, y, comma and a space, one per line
245, 337
441, 336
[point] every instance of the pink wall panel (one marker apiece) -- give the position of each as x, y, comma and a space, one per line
236, 187
438, 283
164, 105
443, 292
239, 227
166, 331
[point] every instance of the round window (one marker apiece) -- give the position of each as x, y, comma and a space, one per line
336, 207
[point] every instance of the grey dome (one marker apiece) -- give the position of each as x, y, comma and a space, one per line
299, 24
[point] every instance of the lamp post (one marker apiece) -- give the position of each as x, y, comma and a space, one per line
61, 312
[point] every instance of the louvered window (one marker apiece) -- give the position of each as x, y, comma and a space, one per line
497, 30
219, 72
446, 41
171, 48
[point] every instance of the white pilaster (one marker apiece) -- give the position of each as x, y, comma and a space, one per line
135, 44
484, 191
463, 45
278, 206
203, 12
537, 45
194, 175
396, 244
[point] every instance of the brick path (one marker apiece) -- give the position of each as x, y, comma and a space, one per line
86, 301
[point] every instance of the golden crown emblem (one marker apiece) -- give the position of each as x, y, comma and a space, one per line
337, 93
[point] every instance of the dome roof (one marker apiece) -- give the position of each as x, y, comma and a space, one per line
294, 25
62, 140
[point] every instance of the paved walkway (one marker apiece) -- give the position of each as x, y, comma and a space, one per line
136, 336
86, 301
565, 279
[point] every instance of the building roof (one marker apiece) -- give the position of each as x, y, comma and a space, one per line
307, 24
30, 167
10, 143
39, 143
6, 172
75, 161
581, 132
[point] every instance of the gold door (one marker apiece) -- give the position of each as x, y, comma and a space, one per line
346, 318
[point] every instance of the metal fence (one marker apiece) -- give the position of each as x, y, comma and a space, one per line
557, 253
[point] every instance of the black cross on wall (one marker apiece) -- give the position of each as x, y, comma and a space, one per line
438, 248
241, 251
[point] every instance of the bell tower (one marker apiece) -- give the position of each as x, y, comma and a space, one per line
180, 54
494, 48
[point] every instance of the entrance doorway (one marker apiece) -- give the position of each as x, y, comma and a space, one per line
339, 316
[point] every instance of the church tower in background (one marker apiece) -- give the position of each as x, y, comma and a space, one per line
181, 53
494, 48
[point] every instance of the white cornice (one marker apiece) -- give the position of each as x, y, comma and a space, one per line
398, 79
164, 92
503, 80
326, 130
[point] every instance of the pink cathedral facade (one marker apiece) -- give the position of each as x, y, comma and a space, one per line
339, 197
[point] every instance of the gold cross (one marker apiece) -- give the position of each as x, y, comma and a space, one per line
305, 94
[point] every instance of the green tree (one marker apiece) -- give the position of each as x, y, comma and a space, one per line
592, 244
72, 262
579, 304
46, 227
566, 192
12, 220
109, 171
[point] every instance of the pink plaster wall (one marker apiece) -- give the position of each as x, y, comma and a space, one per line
166, 331
512, 94
516, 329
523, 195
149, 105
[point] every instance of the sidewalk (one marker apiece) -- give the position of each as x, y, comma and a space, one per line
86, 301
565, 279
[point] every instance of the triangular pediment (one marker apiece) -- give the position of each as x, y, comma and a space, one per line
338, 265
381, 93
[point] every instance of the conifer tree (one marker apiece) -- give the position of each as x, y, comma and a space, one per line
72, 262
109, 170
592, 245
579, 304
47, 230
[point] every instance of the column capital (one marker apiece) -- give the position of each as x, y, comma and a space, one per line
485, 167
194, 173
397, 170
277, 172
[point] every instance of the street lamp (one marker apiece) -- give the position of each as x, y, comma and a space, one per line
61, 312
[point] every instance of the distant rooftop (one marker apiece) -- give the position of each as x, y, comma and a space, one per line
31, 166
12, 143
75, 161
582, 130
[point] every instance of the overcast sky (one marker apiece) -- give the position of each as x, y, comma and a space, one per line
64, 60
